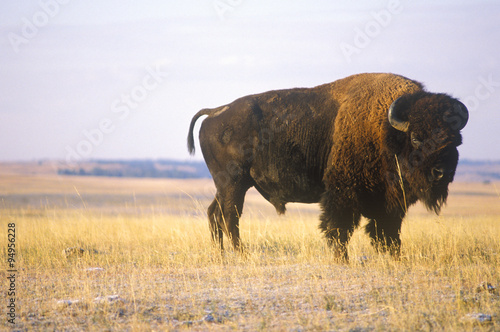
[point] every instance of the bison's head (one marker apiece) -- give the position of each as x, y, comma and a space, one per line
425, 130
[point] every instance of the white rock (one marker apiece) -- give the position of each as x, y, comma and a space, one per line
107, 299
67, 303
209, 318
477, 318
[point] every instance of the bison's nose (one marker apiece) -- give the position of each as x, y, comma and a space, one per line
437, 173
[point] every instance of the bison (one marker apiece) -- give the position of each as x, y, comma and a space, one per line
367, 145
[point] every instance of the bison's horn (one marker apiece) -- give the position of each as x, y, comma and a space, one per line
394, 118
463, 113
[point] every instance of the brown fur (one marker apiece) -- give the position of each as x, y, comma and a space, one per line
333, 144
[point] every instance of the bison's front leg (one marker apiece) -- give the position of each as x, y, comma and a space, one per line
338, 221
338, 239
385, 234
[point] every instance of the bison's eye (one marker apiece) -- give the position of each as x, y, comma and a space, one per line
415, 140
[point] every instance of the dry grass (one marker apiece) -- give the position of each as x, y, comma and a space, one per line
156, 268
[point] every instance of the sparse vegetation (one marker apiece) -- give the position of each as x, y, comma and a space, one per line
146, 263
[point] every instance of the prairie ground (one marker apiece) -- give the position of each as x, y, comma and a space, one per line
135, 254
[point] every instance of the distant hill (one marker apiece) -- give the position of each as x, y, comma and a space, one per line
139, 169
467, 171
478, 171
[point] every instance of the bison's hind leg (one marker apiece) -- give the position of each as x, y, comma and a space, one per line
214, 216
385, 235
224, 214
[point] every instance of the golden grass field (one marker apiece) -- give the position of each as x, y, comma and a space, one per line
148, 263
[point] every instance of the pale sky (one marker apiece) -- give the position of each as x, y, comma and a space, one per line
122, 79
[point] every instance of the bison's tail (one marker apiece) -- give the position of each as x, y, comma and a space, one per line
205, 111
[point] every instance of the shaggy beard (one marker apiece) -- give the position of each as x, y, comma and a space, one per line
435, 198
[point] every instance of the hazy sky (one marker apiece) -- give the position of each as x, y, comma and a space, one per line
122, 79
